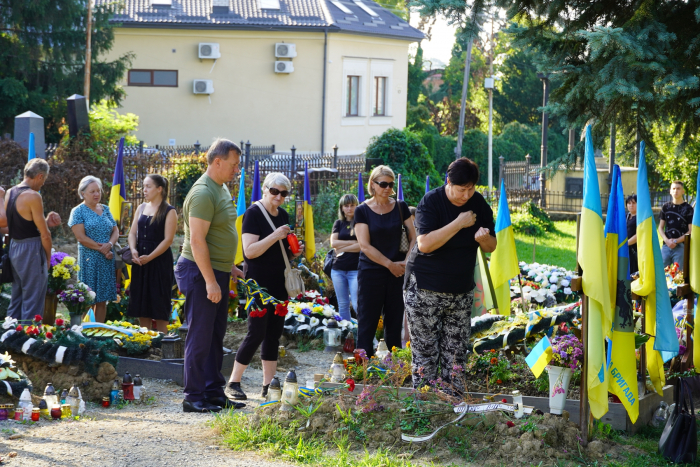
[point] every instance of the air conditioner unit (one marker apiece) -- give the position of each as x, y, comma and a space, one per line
284, 67
203, 86
283, 50
209, 50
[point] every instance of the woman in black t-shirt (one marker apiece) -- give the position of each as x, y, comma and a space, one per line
347, 251
379, 227
452, 222
265, 264
631, 203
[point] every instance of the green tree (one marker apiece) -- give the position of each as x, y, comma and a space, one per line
42, 58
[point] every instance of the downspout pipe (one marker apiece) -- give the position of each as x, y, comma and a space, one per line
323, 99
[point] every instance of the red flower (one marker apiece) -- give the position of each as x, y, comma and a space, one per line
300, 296
258, 313
37, 318
49, 335
351, 384
59, 322
494, 360
320, 301
510, 424
503, 400
498, 381
19, 328
281, 309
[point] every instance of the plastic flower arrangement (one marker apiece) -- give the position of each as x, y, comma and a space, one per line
545, 283
77, 298
567, 351
62, 269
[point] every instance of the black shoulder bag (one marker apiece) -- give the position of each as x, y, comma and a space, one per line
679, 440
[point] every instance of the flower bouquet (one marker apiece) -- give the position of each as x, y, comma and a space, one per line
63, 267
77, 299
566, 357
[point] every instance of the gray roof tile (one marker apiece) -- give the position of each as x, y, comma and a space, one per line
242, 14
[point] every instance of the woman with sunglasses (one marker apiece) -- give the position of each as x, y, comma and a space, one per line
264, 263
379, 226
452, 222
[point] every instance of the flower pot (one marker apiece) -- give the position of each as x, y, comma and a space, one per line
559, 377
76, 320
50, 306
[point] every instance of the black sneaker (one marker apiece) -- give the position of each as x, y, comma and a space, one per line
234, 391
265, 388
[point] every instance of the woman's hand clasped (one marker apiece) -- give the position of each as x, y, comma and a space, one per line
482, 234
397, 268
135, 258
466, 219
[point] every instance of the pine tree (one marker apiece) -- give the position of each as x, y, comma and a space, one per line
42, 59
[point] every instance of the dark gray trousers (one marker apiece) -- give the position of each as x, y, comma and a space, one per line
30, 279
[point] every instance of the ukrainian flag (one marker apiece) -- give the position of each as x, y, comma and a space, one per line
504, 260
695, 276
663, 345
256, 194
399, 190
540, 356
118, 194
361, 188
427, 184
31, 154
591, 257
240, 210
623, 361
309, 240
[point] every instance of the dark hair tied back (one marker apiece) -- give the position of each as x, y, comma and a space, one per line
162, 182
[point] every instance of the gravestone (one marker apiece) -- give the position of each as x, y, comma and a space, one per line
78, 121
26, 123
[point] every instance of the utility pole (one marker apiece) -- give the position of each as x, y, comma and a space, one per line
465, 87
545, 129
490, 88
88, 54
611, 159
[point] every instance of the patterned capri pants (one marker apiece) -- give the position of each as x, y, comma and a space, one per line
440, 325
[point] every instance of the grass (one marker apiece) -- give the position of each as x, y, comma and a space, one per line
556, 248
647, 440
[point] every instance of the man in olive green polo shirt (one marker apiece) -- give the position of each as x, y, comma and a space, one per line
203, 272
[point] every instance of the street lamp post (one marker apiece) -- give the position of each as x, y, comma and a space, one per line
545, 127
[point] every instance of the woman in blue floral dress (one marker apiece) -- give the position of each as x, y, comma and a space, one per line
96, 232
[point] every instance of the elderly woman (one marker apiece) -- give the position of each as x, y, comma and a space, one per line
347, 250
380, 222
452, 222
264, 263
96, 232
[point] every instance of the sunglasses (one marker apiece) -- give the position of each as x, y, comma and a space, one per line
385, 184
275, 192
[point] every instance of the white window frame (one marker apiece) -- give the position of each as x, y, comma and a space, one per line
355, 67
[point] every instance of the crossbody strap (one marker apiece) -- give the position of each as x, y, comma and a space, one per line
267, 216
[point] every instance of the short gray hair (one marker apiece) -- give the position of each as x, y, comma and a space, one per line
86, 182
221, 148
36, 167
277, 178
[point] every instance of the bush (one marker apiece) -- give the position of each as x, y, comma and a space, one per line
326, 205
531, 220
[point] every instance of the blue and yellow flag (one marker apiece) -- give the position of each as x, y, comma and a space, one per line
31, 153
427, 183
592, 258
695, 271
623, 360
118, 193
309, 239
240, 210
663, 345
361, 188
256, 194
399, 190
540, 356
504, 260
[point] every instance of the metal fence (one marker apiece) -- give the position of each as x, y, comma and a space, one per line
569, 201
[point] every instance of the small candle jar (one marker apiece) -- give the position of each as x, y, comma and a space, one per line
518, 403
3, 412
19, 414
36, 413
65, 410
10, 411
105, 402
56, 412
281, 351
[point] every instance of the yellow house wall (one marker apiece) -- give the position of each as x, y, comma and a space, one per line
557, 184
251, 101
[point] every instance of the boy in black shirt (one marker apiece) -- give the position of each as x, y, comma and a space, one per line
676, 219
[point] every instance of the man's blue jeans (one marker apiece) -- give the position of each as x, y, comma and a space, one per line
671, 256
345, 285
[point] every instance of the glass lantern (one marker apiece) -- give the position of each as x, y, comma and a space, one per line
518, 403
274, 392
382, 350
331, 337
128, 387
50, 396
138, 387
337, 369
25, 403
290, 392
73, 400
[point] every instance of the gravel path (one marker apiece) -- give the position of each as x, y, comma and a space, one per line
159, 434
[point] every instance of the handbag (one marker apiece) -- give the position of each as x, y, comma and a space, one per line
125, 253
329, 262
6, 276
679, 440
403, 243
292, 277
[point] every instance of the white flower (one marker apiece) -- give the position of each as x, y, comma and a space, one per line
328, 311
92, 295
76, 328
542, 292
540, 298
143, 330
545, 282
344, 323
527, 289
553, 287
10, 323
567, 290
564, 283
314, 322
527, 296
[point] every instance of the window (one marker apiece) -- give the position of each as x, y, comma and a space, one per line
160, 78
352, 97
379, 109
367, 9
269, 4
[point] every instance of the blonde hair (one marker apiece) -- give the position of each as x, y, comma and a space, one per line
379, 171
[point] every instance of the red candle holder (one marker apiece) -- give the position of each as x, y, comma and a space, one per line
128, 389
56, 412
35, 415
105, 402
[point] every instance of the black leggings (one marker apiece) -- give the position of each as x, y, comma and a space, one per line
378, 290
266, 330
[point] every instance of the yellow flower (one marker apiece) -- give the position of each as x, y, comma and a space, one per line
76, 268
68, 261
425, 389
66, 276
55, 273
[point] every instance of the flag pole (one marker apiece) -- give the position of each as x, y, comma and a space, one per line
577, 285
522, 294
686, 292
488, 276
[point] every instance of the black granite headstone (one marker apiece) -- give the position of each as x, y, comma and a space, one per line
78, 121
